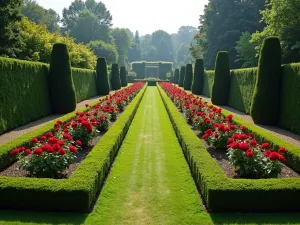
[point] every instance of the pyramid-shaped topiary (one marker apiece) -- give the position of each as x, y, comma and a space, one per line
187, 83
115, 77
123, 76
176, 76
197, 84
62, 91
181, 76
102, 77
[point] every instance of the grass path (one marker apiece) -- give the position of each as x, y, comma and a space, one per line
150, 182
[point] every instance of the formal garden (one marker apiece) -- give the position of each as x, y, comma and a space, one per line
97, 127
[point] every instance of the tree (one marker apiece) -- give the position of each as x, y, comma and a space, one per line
122, 41
102, 49
186, 34
134, 51
102, 77
197, 84
246, 51
87, 21
161, 40
115, 77
36, 13
183, 55
62, 91
282, 20
222, 25
221, 85
10, 38
266, 97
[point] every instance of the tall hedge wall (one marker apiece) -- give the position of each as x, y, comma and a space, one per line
208, 81
289, 116
24, 95
242, 85
85, 83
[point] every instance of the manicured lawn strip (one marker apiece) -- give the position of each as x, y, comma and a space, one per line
78, 192
223, 194
150, 182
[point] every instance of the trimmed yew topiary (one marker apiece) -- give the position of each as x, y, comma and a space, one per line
61, 86
176, 76
197, 84
266, 97
123, 76
221, 85
115, 77
102, 77
181, 76
187, 83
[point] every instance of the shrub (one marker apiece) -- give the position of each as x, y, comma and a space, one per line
221, 86
181, 76
176, 76
187, 83
208, 81
102, 77
266, 97
123, 76
197, 85
62, 91
102, 49
115, 77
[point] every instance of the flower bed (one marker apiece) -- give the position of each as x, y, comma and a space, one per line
79, 191
224, 194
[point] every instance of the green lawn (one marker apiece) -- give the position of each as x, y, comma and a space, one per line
150, 183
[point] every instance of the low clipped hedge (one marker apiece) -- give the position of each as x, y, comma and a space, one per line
208, 81
242, 83
85, 83
79, 191
223, 194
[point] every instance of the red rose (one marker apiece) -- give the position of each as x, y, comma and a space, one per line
281, 158
230, 141
73, 149
265, 145
242, 128
61, 152
282, 150
235, 145
273, 156
253, 143
38, 151
34, 140
68, 137
79, 142
243, 136
61, 143
216, 135
14, 152
49, 134
52, 140
267, 153
243, 146
74, 124
43, 138
27, 151
250, 153
235, 136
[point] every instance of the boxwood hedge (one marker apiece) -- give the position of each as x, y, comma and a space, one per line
79, 191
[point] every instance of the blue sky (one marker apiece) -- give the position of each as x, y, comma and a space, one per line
145, 16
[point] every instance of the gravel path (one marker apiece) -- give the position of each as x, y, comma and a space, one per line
282, 133
6, 137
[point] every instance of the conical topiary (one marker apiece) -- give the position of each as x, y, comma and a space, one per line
62, 91
102, 77
176, 76
266, 96
181, 76
115, 77
221, 85
187, 83
123, 76
197, 85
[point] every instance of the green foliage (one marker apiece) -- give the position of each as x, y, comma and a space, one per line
39, 42
289, 98
208, 81
246, 52
183, 55
197, 84
221, 26
134, 51
221, 86
62, 93
84, 83
181, 76
266, 98
176, 76
122, 40
102, 77
281, 19
115, 77
162, 42
242, 84
123, 76
36, 13
140, 69
102, 49
215, 185
188, 78
10, 40
78, 192
24, 93
87, 21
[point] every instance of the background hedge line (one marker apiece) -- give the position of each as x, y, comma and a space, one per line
79, 191
208, 81
24, 95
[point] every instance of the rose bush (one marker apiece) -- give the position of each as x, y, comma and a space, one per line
248, 157
53, 152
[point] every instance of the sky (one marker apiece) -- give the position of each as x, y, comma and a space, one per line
144, 15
